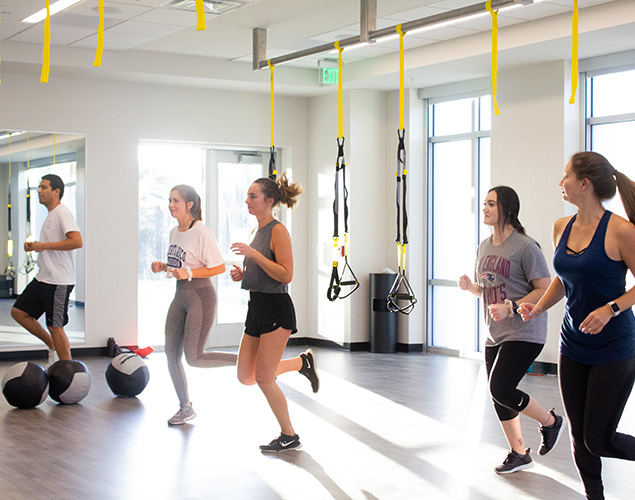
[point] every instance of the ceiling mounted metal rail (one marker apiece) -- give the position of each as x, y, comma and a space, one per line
368, 33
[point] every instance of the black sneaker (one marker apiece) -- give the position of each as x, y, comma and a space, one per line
309, 369
515, 462
282, 443
551, 435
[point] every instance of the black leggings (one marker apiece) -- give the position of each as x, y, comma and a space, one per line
506, 365
594, 398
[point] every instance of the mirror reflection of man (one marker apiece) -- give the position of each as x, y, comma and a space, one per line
49, 291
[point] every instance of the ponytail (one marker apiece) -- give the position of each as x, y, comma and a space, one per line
281, 191
626, 188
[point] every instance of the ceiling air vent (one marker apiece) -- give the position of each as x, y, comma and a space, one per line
211, 6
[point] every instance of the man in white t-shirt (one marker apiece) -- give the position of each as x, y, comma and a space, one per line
49, 291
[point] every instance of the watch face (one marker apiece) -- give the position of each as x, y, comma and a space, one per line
615, 308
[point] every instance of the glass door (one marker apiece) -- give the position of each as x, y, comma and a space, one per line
234, 173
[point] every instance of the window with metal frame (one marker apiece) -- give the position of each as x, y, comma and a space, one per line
610, 125
459, 173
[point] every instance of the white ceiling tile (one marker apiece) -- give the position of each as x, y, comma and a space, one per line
71, 20
154, 30
582, 4
91, 43
10, 28
172, 16
537, 11
66, 36
126, 39
126, 10
15, 10
87, 44
142, 3
452, 4
114, 41
414, 14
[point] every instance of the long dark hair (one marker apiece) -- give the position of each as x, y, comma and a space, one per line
605, 179
189, 194
281, 191
508, 207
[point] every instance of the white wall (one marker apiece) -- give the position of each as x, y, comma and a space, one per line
114, 117
532, 139
346, 321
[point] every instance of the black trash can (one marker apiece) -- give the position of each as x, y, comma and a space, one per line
383, 323
6, 286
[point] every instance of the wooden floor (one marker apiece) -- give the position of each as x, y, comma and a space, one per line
383, 426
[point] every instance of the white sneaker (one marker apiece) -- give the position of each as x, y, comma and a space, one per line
185, 413
52, 358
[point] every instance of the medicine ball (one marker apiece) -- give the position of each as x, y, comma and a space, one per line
69, 381
127, 375
25, 385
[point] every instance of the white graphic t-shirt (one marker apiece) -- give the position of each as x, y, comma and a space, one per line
194, 248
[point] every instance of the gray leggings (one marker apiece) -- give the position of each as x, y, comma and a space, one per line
187, 327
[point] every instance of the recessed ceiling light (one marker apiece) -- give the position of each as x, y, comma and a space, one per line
53, 9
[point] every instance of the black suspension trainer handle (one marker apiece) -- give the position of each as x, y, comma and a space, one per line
401, 290
334, 285
273, 173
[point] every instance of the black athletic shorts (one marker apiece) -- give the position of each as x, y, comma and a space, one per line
269, 311
39, 298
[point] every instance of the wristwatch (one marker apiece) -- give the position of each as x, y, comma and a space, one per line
512, 308
615, 308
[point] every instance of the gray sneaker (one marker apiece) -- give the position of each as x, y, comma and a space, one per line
52, 358
185, 413
515, 462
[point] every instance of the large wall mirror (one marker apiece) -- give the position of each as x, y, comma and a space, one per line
25, 156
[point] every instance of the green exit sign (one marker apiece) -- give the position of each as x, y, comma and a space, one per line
328, 76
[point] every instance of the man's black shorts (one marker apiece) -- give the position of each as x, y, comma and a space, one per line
39, 298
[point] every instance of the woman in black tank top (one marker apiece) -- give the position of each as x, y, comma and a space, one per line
271, 315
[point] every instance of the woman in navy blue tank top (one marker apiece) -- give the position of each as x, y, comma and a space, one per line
594, 250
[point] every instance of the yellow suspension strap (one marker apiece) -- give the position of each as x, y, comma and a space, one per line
574, 51
273, 172
494, 14
46, 49
200, 16
338, 281
10, 269
401, 291
100, 36
29, 263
